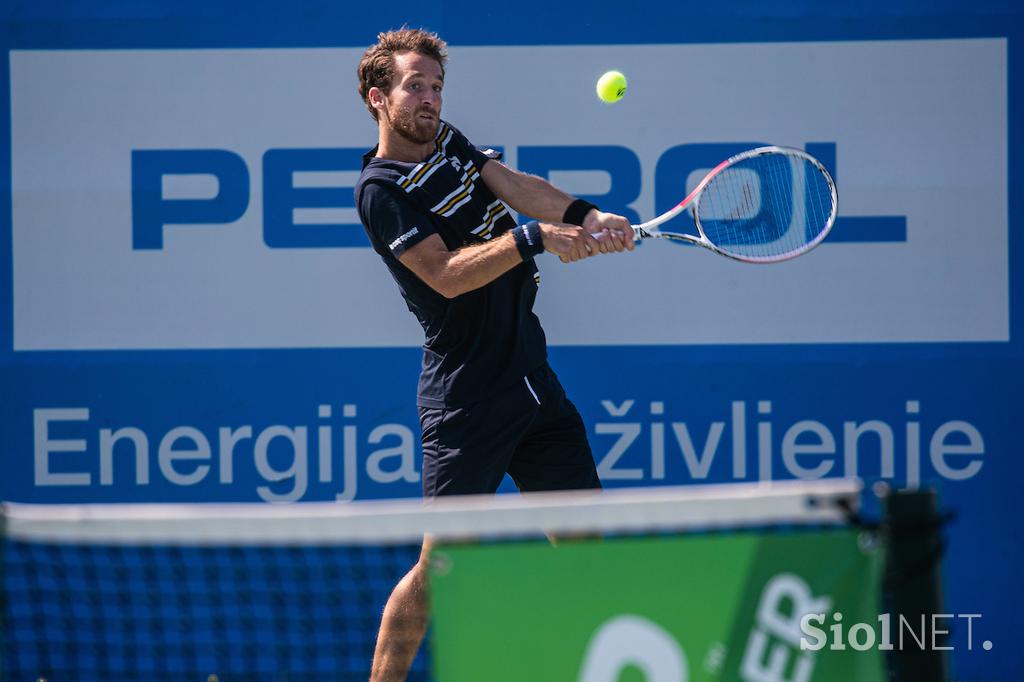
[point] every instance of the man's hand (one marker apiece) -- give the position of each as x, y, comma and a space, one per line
569, 242
614, 234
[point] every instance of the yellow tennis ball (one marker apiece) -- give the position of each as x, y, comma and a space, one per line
611, 86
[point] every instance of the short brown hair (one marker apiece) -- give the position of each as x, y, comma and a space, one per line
377, 67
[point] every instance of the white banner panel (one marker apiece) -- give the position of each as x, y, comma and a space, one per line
919, 127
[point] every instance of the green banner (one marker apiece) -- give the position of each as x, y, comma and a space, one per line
723, 606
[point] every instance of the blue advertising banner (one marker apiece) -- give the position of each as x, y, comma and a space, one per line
190, 310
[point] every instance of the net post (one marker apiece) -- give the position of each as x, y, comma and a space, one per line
3, 592
912, 588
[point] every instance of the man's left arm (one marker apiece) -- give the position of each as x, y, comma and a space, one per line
538, 198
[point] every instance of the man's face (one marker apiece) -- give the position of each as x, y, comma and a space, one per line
413, 107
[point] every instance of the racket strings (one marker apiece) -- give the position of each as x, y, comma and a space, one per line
765, 207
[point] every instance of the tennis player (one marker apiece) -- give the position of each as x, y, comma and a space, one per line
435, 209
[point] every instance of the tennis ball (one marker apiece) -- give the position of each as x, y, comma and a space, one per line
611, 87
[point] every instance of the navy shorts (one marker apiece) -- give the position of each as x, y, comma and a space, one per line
531, 431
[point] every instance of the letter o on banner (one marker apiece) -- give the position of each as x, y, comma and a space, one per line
632, 640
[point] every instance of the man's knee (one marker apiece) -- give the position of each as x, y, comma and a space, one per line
416, 578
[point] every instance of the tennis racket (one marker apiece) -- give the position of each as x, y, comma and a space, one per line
764, 205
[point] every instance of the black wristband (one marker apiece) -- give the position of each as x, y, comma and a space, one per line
577, 211
528, 240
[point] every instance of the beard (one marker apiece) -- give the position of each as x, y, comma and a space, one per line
408, 125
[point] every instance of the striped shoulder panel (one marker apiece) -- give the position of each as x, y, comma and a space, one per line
494, 210
424, 170
461, 194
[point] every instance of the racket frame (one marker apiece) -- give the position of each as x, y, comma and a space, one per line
650, 230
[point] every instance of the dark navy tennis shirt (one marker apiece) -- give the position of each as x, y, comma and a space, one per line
486, 339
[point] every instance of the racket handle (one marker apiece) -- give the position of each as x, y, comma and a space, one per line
638, 233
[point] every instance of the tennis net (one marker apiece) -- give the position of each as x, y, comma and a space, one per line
261, 592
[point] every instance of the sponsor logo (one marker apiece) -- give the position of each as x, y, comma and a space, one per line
404, 238
225, 222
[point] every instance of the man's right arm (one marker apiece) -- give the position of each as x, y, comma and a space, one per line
453, 273
401, 227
